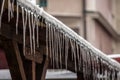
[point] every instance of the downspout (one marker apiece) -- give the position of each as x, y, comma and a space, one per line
84, 15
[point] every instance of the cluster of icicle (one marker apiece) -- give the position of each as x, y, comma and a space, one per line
61, 47
65, 50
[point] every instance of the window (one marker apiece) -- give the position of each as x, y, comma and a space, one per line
43, 3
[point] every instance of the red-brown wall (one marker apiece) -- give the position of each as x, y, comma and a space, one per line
3, 61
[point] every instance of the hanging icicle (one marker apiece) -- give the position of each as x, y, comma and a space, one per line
30, 32
10, 10
37, 31
33, 31
17, 18
1, 13
24, 17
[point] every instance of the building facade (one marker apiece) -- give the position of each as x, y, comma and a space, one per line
96, 20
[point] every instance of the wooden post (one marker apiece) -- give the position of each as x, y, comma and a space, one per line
14, 60
80, 76
41, 69
20, 67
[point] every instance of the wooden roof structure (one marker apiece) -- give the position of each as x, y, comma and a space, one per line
32, 39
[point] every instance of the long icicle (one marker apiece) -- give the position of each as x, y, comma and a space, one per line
60, 47
24, 28
1, 12
23, 19
10, 10
17, 19
12, 5
66, 51
50, 42
33, 32
53, 52
30, 32
78, 56
74, 54
37, 30
56, 35
47, 39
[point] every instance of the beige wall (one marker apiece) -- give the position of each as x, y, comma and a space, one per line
98, 36
105, 8
91, 5
118, 15
103, 39
64, 7
72, 22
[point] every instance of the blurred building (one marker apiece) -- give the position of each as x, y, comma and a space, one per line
98, 21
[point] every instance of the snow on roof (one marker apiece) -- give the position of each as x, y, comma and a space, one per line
70, 32
114, 56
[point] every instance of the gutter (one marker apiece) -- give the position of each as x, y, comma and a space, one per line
84, 19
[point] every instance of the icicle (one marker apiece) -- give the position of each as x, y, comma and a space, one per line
57, 46
84, 63
2, 7
12, 5
30, 32
47, 38
37, 30
66, 51
10, 10
17, 19
91, 66
82, 60
75, 57
24, 28
53, 52
78, 56
61, 41
60, 48
50, 42
74, 53
33, 31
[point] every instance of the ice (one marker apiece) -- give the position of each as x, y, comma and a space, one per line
33, 31
66, 50
37, 31
1, 13
17, 18
24, 17
30, 32
10, 10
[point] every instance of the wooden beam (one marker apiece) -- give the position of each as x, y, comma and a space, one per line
14, 60
41, 69
80, 76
